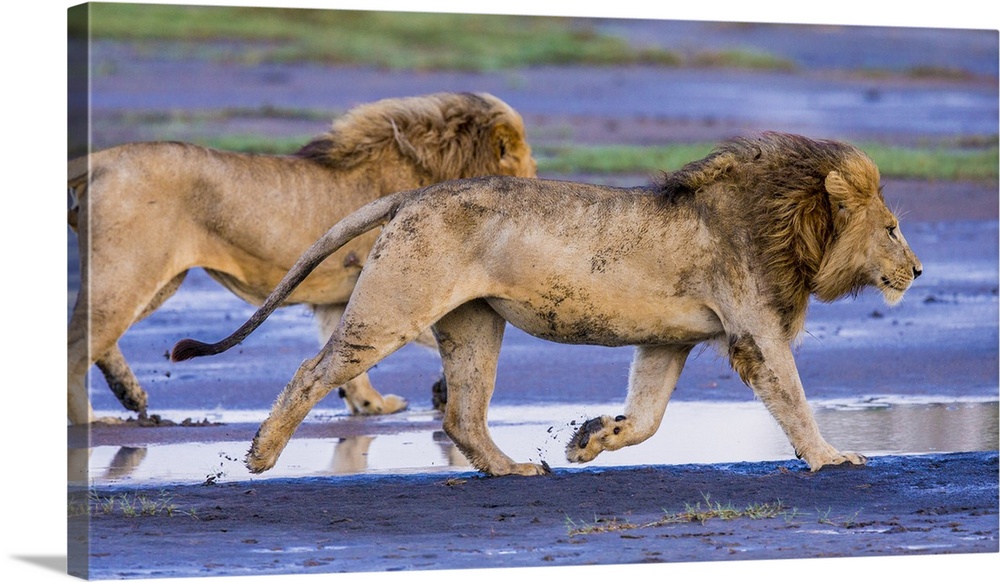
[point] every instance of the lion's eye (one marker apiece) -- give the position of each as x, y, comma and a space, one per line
892, 232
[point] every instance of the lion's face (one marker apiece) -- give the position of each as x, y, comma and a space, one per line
890, 263
869, 248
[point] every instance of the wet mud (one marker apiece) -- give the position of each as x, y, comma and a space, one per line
916, 505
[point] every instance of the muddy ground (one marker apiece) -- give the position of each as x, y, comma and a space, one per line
943, 343
918, 505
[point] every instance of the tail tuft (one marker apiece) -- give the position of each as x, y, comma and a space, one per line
189, 348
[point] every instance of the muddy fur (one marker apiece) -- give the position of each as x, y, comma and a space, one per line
148, 212
695, 259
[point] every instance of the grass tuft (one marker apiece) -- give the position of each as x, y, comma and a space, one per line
692, 514
126, 504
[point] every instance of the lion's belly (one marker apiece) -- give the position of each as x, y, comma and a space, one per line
252, 278
677, 321
329, 286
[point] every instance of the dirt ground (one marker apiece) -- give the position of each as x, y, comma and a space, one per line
919, 505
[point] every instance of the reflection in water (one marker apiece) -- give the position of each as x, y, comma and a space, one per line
937, 427
350, 455
690, 433
122, 464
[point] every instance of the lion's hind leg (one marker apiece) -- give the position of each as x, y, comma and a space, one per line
350, 351
653, 377
469, 339
79, 409
120, 283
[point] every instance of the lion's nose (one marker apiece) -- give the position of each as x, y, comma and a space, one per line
917, 271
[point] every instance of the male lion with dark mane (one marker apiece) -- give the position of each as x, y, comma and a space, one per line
726, 250
148, 212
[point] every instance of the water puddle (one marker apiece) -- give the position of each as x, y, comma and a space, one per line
691, 432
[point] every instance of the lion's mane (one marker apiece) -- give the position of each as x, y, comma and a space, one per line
438, 133
773, 187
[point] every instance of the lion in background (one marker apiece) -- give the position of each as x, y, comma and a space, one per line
145, 213
727, 250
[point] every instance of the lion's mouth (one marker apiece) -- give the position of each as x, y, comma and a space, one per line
887, 282
892, 293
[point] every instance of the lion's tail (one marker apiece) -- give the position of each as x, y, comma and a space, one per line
355, 224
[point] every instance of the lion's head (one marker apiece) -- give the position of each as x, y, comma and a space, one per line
868, 246
813, 211
445, 135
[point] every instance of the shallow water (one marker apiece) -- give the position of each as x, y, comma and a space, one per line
691, 432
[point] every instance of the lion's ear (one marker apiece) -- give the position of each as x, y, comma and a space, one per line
841, 193
504, 140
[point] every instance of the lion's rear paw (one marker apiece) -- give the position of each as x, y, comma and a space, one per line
261, 456
256, 463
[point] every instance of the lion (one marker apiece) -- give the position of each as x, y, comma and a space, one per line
146, 213
727, 250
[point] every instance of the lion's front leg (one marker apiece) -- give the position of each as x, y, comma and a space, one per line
768, 367
654, 374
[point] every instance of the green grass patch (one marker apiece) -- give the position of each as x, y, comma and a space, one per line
393, 40
742, 59
935, 163
258, 144
932, 163
617, 159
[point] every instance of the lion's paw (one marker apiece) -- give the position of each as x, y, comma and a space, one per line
594, 436
833, 457
392, 404
528, 469
374, 405
261, 457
